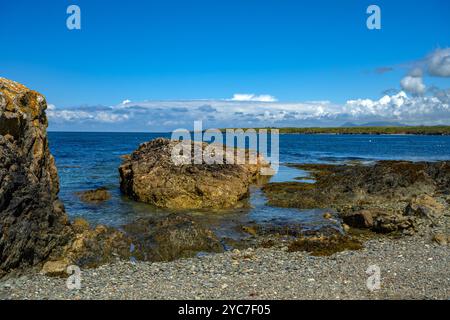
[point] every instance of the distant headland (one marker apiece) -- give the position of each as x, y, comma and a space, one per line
379, 130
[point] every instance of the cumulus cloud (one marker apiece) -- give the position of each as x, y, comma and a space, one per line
413, 84
429, 110
253, 97
432, 108
98, 114
439, 63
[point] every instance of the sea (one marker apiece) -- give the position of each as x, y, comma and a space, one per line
88, 160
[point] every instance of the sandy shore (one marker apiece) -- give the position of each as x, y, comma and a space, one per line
411, 268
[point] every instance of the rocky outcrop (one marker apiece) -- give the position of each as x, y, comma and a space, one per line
34, 228
32, 219
150, 175
89, 248
388, 196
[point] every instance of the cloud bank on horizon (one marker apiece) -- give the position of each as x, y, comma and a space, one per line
414, 104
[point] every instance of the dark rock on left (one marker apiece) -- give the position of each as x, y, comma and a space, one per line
33, 221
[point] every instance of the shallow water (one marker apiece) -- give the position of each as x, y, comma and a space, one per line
91, 160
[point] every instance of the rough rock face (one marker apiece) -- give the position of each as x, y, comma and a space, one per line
149, 175
89, 248
32, 219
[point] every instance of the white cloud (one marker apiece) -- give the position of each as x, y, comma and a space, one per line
108, 117
77, 115
413, 84
400, 107
126, 101
439, 63
253, 97
169, 115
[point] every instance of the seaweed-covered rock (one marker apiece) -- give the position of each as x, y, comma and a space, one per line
150, 175
33, 221
386, 196
325, 246
171, 237
89, 248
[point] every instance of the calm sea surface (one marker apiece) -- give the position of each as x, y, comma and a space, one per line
91, 160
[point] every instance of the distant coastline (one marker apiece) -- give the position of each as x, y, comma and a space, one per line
403, 130
374, 130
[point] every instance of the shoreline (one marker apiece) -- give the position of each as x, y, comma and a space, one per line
411, 268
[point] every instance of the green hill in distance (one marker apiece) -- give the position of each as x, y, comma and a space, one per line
419, 130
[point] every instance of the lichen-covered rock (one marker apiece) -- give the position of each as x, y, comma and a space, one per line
150, 175
441, 239
32, 219
424, 206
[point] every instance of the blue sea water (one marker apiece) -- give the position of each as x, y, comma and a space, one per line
90, 160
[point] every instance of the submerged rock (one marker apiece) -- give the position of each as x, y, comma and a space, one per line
150, 175
95, 196
171, 237
33, 221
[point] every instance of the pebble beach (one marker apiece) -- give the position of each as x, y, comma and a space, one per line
410, 268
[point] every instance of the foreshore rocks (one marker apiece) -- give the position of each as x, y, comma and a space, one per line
32, 219
34, 228
150, 175
386, 197
146, 239
89, 248
169, 238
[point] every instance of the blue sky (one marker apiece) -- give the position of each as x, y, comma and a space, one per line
295, 51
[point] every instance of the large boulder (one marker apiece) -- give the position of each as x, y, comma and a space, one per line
151, 175
33, 221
